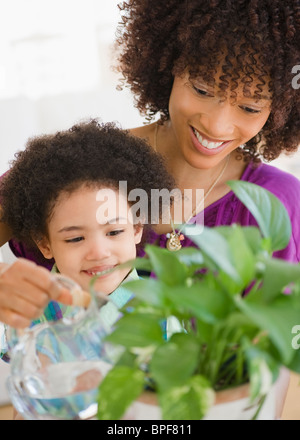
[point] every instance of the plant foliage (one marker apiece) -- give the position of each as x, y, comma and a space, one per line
214, 316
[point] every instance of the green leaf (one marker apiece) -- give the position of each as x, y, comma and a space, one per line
263, 370
251, 234
277, 318
138, 263
148, 290
190, 256
119, 388
213, 245
267, 209
190, 401
137, 330
277, 275
200, 300
243, 260
294, 364
166, 265
181, 353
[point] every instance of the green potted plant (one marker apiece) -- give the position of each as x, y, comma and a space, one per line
229, 308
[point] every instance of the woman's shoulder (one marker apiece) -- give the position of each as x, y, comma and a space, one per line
281, 183
145, 132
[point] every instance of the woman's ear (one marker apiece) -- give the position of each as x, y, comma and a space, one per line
45, 248
138, 232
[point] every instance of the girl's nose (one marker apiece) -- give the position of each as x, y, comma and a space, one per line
98, 249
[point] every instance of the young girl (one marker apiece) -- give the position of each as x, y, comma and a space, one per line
67, 197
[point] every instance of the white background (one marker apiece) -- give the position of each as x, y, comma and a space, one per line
55, 69
56, 60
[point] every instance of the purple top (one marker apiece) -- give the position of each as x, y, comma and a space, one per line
229, 209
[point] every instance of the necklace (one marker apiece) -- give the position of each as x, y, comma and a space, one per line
174, 238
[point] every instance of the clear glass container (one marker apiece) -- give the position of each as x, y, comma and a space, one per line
56, 366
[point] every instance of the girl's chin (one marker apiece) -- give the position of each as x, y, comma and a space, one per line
105, 284
106, 288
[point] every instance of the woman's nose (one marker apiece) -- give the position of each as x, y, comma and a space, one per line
219, 122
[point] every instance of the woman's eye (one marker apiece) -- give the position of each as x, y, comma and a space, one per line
202, 92
115, 232
74, 240
250, 110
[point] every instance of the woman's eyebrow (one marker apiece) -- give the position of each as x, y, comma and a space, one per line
261, 97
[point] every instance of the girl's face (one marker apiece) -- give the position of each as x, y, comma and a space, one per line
89, 233
207, 128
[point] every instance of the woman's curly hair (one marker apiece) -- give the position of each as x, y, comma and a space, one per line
91, 154
253, 41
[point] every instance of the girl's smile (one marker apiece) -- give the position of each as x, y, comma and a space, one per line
85, 239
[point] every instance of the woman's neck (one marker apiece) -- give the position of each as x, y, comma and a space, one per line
162, 139
186, 175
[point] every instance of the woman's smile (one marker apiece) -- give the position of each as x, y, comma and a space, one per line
206, 145
207, 127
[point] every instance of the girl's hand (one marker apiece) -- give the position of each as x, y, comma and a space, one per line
25, 290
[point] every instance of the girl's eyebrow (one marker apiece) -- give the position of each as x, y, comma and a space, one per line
71, 228
116, 220
80, 228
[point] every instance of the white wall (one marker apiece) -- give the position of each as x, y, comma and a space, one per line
55, 58
56, 68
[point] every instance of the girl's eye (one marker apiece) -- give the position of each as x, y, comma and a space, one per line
74, 240
115, 232
250, 110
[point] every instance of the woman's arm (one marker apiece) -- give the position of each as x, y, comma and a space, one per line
25, 290
5, 233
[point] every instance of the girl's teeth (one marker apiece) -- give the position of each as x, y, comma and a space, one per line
205, 143
94, 273
98, 273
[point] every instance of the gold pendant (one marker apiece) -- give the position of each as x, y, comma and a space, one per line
173, 242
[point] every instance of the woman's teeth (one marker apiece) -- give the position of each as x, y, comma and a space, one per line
205, 142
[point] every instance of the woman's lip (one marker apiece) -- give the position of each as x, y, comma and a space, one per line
208, 138
204, 150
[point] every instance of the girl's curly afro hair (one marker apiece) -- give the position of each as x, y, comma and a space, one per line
253, 41
90, 154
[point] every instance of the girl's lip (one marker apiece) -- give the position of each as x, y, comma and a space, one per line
204, 150
96, 270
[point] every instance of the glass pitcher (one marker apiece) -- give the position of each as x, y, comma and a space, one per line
56, 366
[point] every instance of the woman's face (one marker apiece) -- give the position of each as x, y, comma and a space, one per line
208, 127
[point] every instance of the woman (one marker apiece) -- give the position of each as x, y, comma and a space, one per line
219, 73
